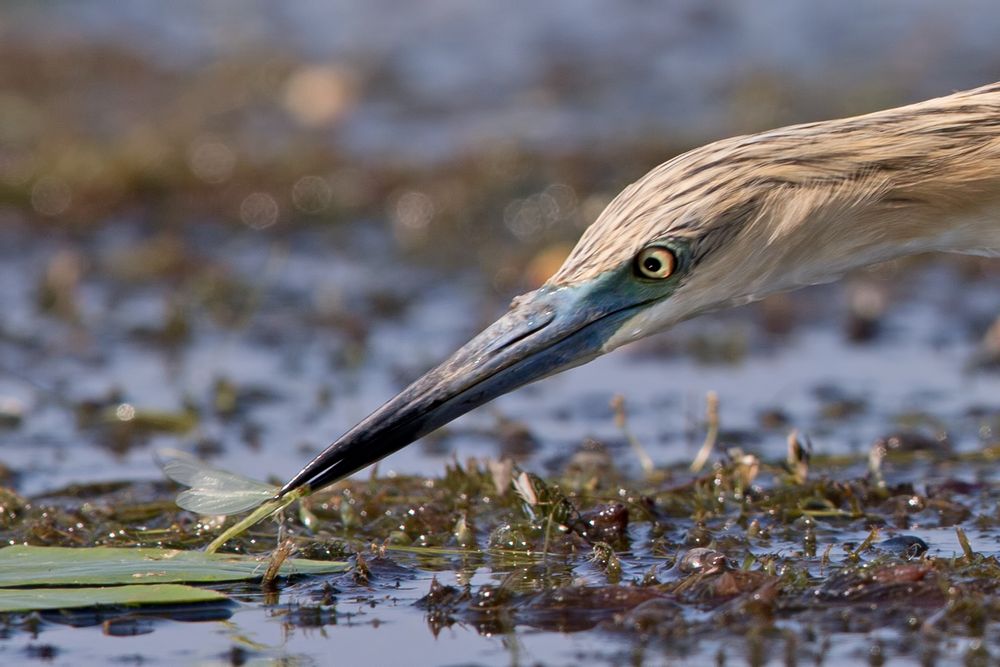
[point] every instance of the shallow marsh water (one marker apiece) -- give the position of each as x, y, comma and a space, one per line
262, 390
289, 387
235, 232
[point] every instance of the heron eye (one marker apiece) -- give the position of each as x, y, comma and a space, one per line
655, 262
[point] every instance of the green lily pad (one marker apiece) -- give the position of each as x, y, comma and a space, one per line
24, 566
16, 599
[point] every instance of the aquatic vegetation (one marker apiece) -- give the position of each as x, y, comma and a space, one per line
23, 566
672, 556
36, 578
32, 599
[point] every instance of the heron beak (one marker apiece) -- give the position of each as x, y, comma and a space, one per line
546, 331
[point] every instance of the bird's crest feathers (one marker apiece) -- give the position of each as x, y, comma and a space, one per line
919, 177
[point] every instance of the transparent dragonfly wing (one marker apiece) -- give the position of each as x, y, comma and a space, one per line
212, 491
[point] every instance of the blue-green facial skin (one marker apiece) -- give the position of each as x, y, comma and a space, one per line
586, 316
546, 331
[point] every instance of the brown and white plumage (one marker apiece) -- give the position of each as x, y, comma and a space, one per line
723, 224
802, 204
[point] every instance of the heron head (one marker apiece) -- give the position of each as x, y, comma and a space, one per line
694, 234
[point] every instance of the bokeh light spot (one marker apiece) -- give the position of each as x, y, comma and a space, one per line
312, 194
51, 195
125, 412
412, 215
318, 95
259, 210
210, 160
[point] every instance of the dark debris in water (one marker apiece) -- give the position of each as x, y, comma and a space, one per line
675, 558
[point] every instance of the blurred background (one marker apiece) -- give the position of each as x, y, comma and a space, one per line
236, 227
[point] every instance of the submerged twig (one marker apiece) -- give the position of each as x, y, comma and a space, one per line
875, 457
963, 541
799, 453
711, 435
618, 405
278, 558
866, 544
604, 558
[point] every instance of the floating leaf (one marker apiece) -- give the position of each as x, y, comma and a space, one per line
19, 599
22, 566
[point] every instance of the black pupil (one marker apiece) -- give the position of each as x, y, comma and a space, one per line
652, 264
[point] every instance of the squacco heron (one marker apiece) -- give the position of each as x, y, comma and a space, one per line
721, 225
